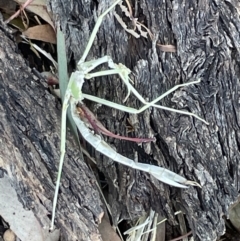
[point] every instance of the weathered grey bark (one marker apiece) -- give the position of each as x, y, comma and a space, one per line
30, 148
207, 36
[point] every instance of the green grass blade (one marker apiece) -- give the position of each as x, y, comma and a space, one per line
63, 78
63, 82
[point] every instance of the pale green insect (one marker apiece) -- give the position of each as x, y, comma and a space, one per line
74, 95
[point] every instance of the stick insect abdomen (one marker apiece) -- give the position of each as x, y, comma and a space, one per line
100, 145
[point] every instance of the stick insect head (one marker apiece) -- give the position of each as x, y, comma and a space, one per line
75, 85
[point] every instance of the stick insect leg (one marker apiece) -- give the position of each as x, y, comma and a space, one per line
73, 92
147, 104
134, 91
95, 30
92, 64
124, 73
119, 69
152, 103
63, 144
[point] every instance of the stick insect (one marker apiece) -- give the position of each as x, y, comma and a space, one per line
74, 96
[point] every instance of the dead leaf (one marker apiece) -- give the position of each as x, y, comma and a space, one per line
43, 33
22, 222
39, 7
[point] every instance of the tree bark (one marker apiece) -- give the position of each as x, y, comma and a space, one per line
206, 34
30, 150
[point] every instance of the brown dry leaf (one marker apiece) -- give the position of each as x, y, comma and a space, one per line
43, 33
39, 7
22, 222
107, 232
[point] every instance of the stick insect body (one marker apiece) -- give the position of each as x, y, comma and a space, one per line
74, 96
